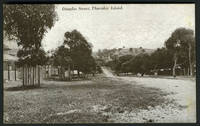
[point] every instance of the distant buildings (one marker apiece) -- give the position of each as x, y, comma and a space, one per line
10, 49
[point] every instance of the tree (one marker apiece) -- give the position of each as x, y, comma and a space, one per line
131, 50
161, 58
62, 59
121, 64
141, 64
188, 48
89, 66
80, 50
27, 24
181, 39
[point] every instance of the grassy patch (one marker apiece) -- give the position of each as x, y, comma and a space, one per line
19, 88
56, 101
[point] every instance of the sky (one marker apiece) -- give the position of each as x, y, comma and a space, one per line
132, 26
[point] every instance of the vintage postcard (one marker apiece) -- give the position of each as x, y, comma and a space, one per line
99, 63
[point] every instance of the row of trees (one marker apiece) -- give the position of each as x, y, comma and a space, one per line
179, 52
142, 63
27, 24
74, 54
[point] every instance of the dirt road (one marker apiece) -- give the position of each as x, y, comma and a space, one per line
181, 91
104, 98
107, 72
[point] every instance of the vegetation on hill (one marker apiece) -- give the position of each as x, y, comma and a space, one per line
176, 57
107, 55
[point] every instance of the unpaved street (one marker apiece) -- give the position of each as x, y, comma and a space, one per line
181, 91
103, 98
107, 72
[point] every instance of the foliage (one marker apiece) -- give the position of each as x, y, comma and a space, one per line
80, 51
62, 57
28, 24
180, 40
98, 69
181, 44
141, 64
161, 58
31, 57
76, 53
120, 66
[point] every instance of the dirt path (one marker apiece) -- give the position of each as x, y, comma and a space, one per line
107, 72
181, 92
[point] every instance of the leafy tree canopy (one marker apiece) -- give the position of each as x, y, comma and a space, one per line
27, 24
80, 50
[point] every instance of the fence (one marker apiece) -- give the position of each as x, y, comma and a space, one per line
12, 75
15, 75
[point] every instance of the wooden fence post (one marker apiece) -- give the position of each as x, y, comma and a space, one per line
38, 75
15, 73
23, 75
8, 72
26, 71
33, 75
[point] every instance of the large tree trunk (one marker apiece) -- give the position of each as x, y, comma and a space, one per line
8, 72
61, 73
78, 72
24, 72
45, 71
15, 73
175, 63
26, 75
58, 70
23, 76
73, 71
38, 75
33, 74
69, 72
184, 71
48, 71
190, 62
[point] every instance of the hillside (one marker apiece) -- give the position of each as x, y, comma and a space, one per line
109, 54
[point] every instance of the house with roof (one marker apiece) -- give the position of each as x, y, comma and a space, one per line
10, 49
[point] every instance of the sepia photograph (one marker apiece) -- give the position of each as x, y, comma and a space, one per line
99, 63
